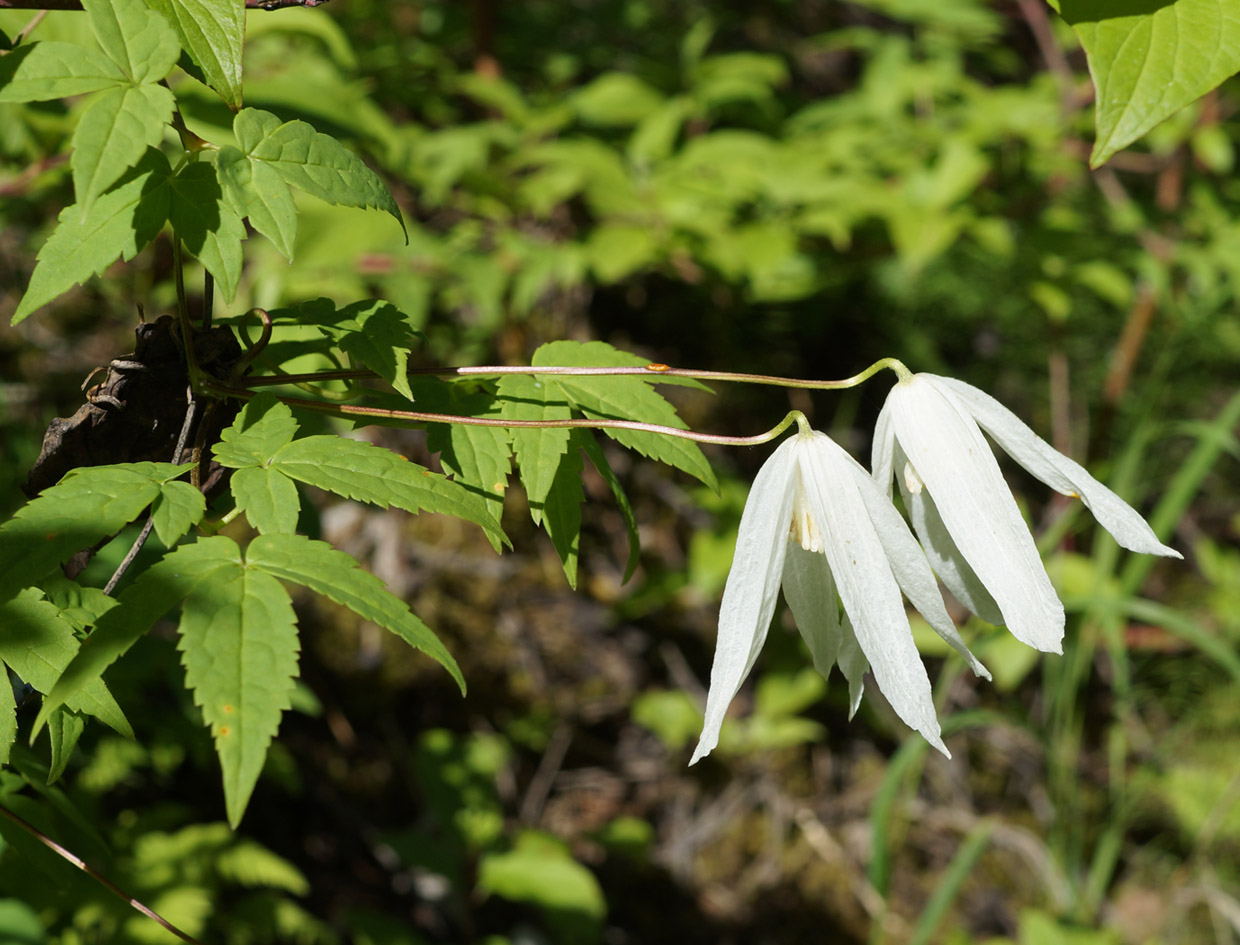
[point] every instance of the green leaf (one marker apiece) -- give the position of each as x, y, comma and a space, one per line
1150, 59
114, 132
538, 451
539, 870
119, 223
79, 605
156, 591
315, 163
213, 33
137, 39
262, 427
255, 190
44, 71
590, 445
178, 509
475, 455
367, 473
561, 512
38, 643
268, 498
207, 224
8, 717
239, 645
320, 567
624, 398
372, 331
88, 504
64, 728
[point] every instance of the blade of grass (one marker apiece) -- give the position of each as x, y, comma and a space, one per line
949, 886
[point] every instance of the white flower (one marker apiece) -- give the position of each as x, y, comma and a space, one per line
816, 521
928, 436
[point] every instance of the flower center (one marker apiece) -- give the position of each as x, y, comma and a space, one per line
804, 530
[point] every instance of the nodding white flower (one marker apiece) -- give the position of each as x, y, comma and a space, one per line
928, 437
816, 522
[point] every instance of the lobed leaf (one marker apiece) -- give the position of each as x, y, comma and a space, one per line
1149, 60
113, 133
320, 567
372, 331
90, 503
45, 71
255, 190
268, 498
538, 451
156, 591
207, 224
262, 427
177, 509
313, 162
38, 643
118, 223
239, 646
213, 33
367, 473
136, 38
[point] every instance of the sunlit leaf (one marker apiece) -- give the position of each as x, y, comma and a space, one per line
178, 508
112, 135
268, 498
561, 512
538, 451
320, 567
213, 33
207, 224
255, 190
262, 427
136, 38
45, 71
373, 332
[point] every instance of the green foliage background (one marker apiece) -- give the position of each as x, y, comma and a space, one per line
793, 188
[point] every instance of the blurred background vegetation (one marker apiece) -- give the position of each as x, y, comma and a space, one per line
795, 187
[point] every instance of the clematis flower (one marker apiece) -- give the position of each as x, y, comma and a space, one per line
928, 437
816, 522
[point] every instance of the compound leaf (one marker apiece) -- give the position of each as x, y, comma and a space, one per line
38, 643
136, 38
114, 132
561, 512
156, 591
623, 398
268, 498
212, 32
88, 504
178, 508
118, 223
239, 645
1149, 60
262, 427
207, 224
313, 162
374, 332
255, 190
320, 567
590, 445
538, 450
44, 71
368, 473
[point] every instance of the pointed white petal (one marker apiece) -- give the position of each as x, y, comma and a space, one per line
909, 566
867, 587
809, 590
752, 588
881, 450
853, 665
1056, 470
949, 454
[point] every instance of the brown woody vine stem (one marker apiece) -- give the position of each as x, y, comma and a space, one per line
77, 4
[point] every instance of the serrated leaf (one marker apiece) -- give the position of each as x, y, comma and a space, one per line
112, 135
1150, 60
207, 224
45, 71
561, 512
239, 645
538, 451
315, 163
80, 606
476, 456
178, 509
623, 398
64, 728
262, 427
320, 567
247, 863
586, 442
256, 190
8, 717
136, 38
38, 643
155, 591
372, 331
213, 33
87, 504
268, 498
367, 473
119, 223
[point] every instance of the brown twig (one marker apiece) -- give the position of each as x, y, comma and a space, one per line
77, 4
97, 876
